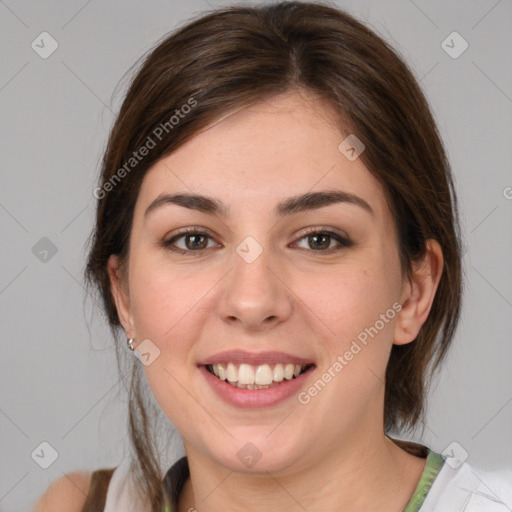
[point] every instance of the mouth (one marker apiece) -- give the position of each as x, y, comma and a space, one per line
256, 377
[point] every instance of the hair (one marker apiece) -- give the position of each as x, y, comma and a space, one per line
234, 57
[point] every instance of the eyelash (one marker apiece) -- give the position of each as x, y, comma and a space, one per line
344, 241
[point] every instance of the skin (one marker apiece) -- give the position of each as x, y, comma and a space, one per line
330, 454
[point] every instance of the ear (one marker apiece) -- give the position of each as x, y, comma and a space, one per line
119, 287
418, 294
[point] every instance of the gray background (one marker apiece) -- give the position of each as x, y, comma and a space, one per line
58, 379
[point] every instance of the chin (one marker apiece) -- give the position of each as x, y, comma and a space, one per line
259, 455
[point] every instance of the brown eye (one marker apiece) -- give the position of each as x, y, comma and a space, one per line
321, 241
196, 242
189, 241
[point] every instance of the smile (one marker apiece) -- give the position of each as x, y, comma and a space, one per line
264, 376
236, 392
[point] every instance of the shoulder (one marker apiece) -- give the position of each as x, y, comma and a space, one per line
66, 494
462, 486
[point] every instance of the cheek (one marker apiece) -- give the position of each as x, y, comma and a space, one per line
349, 299
165, 306
354, 313
163, 303
356, 306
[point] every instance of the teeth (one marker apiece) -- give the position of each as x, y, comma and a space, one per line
231, 373
255, 377
263, 375
245, 374
278, 373
220, 369
288, 371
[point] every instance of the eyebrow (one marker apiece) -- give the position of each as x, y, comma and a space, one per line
296, 204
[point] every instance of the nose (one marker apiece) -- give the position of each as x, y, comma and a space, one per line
255, 295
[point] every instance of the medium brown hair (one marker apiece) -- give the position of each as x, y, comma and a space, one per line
233, 57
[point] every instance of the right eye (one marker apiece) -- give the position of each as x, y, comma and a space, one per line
194, 241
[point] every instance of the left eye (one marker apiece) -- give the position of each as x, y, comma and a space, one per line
322, 240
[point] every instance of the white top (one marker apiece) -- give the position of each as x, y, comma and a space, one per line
458, 487
121, 495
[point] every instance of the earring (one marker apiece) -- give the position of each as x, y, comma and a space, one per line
130, 344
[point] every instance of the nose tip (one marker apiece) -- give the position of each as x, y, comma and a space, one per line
255, 296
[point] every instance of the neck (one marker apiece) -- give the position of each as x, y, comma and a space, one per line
350, 478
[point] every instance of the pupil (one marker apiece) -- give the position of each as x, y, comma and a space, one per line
194, 237
316, 237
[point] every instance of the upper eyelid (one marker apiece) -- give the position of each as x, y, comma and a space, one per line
309, 230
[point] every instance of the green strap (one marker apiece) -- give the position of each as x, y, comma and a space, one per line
433, 465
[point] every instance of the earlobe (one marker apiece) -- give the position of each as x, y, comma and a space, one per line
418, 294
120, 294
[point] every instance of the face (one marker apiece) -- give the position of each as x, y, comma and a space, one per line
321, 284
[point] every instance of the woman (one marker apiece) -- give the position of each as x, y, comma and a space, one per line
277, 237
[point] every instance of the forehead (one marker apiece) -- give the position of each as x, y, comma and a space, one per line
284, 146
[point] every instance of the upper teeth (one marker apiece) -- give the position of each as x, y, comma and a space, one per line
262, 375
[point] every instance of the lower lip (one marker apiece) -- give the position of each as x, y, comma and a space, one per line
255, 397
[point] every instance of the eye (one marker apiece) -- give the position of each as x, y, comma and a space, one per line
194, 240
320, 240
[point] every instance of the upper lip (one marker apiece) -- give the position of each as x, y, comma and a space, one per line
254, 358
